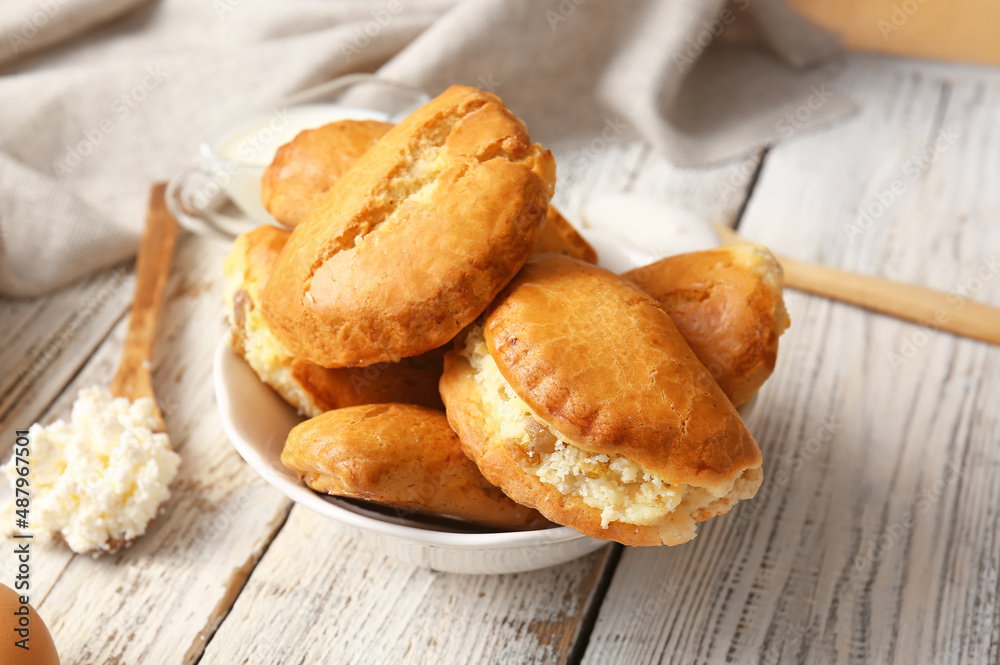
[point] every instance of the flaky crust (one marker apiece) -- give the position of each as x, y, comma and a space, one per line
413, 242
309, 164
399, 455
560, 237
727, 303
602, 364
311, 389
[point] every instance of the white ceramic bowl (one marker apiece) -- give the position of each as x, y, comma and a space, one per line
257, 421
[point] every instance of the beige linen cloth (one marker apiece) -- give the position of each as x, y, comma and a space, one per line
100, 98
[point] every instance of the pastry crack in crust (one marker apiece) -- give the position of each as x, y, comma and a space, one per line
409, 180
683, 418
375, 294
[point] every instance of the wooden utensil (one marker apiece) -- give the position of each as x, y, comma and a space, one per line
934, 309
152, 267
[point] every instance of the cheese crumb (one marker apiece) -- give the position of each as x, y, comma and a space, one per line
100, 477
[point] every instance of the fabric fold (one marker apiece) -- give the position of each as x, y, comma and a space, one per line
90, 123
28, 26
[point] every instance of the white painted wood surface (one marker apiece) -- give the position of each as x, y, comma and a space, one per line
43, 342
874, 536
318, 596
159, 600
230, 573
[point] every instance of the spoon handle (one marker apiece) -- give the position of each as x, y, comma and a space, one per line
152, 267
943, 311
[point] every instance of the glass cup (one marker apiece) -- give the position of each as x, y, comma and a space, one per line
221, 195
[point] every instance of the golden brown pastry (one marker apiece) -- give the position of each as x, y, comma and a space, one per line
560, 237
309, 164
399, 455
413, 241
727, 304
309, 388
579, 397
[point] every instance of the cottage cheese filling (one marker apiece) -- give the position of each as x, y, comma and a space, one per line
100, 477
620, 488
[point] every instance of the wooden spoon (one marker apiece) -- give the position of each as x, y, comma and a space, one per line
934, 309
152, 267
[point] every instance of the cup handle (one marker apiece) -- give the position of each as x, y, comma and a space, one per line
199, 217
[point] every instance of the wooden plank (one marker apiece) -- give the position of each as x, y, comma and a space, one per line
874, 536
717, 199
45, 341
338, 600
716, 194
160, 599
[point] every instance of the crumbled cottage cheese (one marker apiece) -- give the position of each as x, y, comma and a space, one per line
100, 477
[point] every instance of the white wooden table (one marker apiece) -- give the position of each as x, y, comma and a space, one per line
874, 539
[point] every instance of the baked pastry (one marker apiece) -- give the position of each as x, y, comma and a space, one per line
727, 304
399, 455
413, 242
579, 397
559, 236
311, 389
309, 164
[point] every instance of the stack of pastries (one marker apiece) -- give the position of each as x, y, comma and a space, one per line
458, 352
